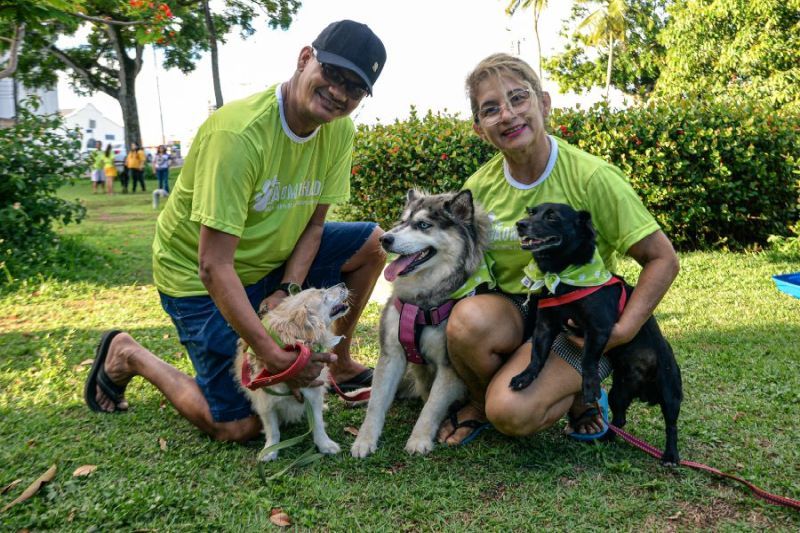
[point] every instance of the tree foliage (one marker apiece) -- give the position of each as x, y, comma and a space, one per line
637, 57
734, 46
37, 156
111, 55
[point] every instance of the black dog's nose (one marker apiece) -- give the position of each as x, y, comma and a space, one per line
386, 240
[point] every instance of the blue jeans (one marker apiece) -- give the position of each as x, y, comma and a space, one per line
163, 178
210, 340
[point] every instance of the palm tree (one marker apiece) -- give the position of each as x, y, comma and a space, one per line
538, 6
605, 27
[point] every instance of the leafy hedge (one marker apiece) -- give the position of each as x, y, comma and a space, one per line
436, 153
37, 156
715, 173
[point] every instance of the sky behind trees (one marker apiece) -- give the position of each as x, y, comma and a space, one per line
431, 46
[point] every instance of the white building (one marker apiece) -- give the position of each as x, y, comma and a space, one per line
94, 126
13, 94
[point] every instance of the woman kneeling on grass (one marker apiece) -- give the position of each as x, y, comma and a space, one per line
489, 334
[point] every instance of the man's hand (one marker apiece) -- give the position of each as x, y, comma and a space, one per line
271, 302
280, 360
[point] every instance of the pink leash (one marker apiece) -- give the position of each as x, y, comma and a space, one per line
655, 452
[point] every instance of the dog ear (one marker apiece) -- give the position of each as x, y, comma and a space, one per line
412, 195
461, 206
585, 223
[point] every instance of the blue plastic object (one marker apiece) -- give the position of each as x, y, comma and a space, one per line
788, 283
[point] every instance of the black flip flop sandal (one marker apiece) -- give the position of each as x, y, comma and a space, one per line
98, 378
361, 381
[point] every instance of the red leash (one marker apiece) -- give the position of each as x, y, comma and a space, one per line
265, 379
655, 452
363, 395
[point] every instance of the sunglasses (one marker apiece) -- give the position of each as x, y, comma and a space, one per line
333, 75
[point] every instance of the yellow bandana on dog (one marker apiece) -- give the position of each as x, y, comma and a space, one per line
591, 274
482, 275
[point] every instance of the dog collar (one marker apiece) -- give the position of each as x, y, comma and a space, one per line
579, 294
412, 316
264, 378
591, 274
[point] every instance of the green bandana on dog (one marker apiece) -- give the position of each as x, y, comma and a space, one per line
591, 274
482, 275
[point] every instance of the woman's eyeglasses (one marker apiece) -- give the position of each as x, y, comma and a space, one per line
519, 101
353, 90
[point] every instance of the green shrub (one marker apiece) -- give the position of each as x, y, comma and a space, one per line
717, 173
436, 153
714, 174
37, 156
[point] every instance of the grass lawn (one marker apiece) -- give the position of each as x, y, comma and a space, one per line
736, 338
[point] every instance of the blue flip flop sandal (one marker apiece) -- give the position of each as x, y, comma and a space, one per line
477, 426
590, 414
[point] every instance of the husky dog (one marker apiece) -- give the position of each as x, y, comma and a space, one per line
561, 238
304, 317
440, 242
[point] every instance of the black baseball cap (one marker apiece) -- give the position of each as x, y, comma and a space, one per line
352, 45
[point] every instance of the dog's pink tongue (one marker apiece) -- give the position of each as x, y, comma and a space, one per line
394, 268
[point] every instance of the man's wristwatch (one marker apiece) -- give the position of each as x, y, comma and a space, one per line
289, 287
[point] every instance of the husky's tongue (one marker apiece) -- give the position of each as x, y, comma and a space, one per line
396, 267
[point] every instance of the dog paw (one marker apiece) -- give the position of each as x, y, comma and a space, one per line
328, 447
522, 380
362, 448
670, 459
591, 391
267, 457
419, 446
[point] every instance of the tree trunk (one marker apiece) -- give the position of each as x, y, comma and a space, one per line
212, 43
610, 63
126, 93
130, 111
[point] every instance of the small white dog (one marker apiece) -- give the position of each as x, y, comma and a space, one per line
158, 194
303, 317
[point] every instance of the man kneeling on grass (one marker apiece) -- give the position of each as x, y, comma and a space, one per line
246, 220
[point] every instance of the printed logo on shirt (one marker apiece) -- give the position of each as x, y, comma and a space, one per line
502, 237
274, 196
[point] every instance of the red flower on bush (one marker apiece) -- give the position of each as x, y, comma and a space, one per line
563, 129
444, 156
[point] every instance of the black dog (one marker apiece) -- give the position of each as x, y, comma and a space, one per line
645, 368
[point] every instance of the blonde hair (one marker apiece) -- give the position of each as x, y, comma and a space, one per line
496, 66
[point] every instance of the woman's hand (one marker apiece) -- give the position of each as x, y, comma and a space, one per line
620, 334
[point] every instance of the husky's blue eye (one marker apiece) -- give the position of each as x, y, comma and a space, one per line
423, 225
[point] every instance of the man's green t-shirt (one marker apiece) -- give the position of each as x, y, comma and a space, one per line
249, 175
571, 177
99, 159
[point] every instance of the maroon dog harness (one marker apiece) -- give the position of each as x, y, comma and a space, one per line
412, 316
554, 301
